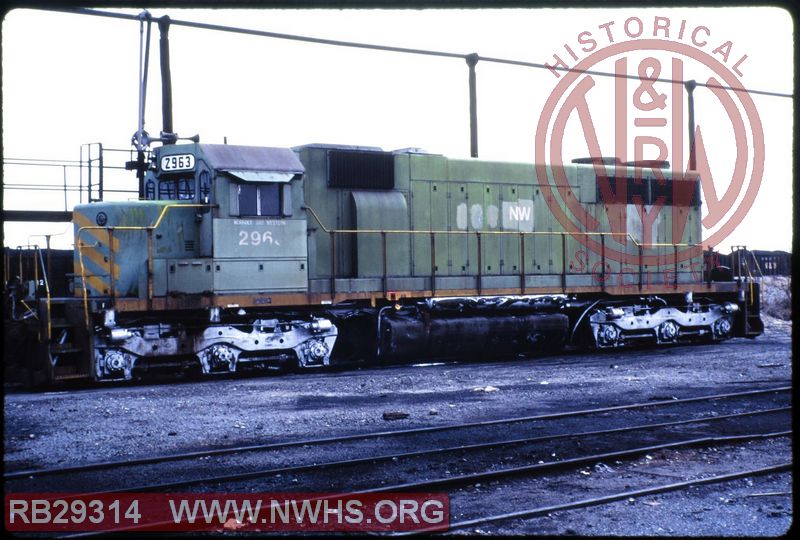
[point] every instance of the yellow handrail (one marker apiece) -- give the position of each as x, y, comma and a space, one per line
152, 227
47, 291
29, 308
142, 227
166, 208
80, 247
552, 233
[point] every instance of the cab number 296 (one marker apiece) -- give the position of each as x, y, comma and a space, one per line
255, 238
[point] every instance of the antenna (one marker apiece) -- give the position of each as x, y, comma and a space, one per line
140, 139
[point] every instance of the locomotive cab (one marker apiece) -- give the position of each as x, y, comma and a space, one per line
221, 225
224, 219
253, 232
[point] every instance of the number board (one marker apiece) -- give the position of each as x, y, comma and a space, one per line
177, 162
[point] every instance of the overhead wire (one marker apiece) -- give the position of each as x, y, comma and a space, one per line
352, 44
405, 50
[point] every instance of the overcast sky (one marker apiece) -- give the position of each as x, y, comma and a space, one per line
72, 79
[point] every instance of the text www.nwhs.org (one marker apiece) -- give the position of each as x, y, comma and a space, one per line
32, 512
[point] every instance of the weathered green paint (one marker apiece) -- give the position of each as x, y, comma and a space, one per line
176, 237
218, 250
386, 210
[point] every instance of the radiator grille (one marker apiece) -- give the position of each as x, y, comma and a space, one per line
360, 170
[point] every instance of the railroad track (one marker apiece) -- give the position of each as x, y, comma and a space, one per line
528, 513
427, 443
533, 470
542, 444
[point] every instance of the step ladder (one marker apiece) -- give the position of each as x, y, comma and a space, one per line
64, 343
747, 272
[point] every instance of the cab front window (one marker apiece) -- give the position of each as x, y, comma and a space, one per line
176, 189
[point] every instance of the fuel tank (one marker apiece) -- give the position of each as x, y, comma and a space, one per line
411, 337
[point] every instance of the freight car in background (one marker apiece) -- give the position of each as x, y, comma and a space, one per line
249, 257
763, 263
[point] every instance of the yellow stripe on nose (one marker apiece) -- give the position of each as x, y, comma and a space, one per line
98, 286
98, 257
89, 236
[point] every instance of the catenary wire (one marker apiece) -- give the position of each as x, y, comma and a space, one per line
405, 50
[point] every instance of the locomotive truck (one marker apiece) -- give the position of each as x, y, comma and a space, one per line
243, 257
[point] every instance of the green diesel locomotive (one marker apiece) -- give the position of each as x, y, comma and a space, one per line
248, 257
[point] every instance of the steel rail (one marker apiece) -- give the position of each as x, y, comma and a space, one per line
378, 434
425, 485
606, 499
417, 453
579, 461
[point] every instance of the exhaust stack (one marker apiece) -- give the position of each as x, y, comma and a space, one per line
168, 136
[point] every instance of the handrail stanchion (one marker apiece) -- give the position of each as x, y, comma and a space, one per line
35, 267
521, 234
49, 267
522, 263
433, 263
641, 267
675, 260
47, 292
150, 268
80, 246
603, 261
480, 264
333, 265
564, 262
111, 262
385, 269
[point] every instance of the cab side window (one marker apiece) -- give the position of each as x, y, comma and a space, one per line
248, 200
205, 186
259, 199
269, 196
